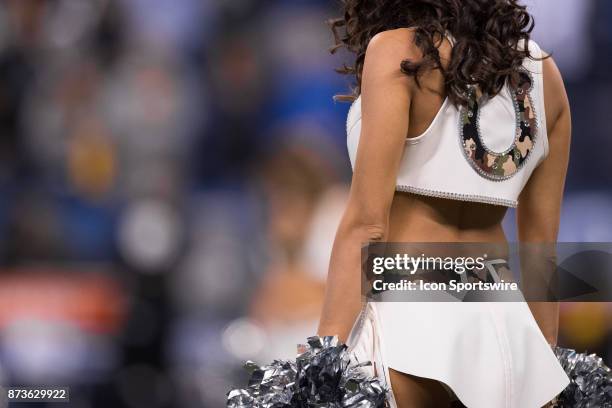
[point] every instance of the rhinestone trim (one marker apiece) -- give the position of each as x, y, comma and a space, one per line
457, 196
517, 114
533, 134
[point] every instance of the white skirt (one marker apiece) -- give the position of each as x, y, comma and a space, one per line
487, 354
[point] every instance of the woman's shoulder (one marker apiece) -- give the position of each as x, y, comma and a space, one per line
401, 34
397, 43
384, 56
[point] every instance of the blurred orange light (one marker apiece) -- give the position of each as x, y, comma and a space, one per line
91, 301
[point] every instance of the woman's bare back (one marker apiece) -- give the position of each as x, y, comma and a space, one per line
417, 218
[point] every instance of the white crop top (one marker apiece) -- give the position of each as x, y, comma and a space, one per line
484, 152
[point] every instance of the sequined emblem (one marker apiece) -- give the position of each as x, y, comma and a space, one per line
500, 165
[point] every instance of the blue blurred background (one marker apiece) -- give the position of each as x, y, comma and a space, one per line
171, 176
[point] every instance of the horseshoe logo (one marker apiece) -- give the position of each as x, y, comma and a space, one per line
500, 165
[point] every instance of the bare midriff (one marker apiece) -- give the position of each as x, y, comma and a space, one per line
416, 218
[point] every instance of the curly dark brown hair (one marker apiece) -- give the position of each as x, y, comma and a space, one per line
486, 36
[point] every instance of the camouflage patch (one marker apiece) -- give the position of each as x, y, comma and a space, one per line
500, 165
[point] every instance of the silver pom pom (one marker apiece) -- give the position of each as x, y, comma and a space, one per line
323, 375
590, 381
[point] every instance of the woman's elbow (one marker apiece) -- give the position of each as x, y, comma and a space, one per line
366, 229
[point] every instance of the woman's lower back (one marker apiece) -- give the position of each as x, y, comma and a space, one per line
415, 218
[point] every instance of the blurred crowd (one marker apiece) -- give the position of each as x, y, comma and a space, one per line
171, 176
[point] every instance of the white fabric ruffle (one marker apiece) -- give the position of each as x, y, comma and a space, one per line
490, 354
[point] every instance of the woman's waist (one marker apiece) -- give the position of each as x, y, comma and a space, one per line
416, 219
424, 231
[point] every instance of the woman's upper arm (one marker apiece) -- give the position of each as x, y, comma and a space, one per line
539, 209
385, 105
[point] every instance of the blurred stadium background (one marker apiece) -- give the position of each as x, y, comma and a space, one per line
171, 175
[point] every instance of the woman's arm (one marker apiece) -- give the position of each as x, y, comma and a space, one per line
385, 103
539, 207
